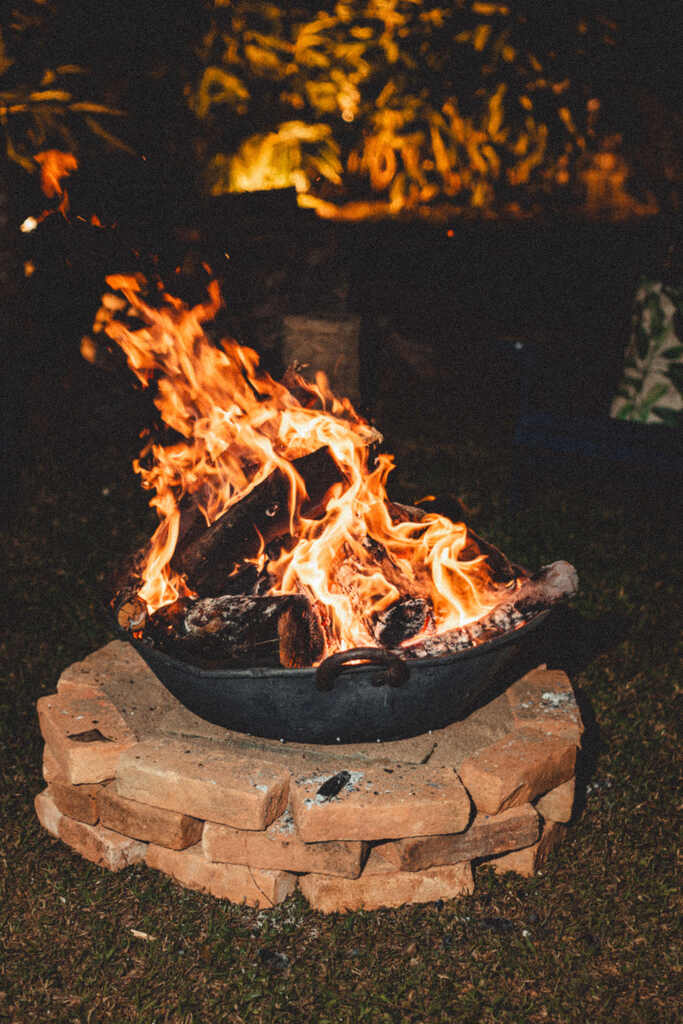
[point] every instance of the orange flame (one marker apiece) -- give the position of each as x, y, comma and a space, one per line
237, 425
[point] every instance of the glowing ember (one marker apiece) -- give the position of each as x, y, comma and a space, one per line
237, 426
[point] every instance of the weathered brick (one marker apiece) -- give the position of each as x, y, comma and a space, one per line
517, 769
381, 802
382, 886
47, 812
51, 769
458, 741
558, 804
544, 700
86, 736
280, 847
205, 781
100, 845
528, 861
235, 882
79, 802
488, 834
142, 821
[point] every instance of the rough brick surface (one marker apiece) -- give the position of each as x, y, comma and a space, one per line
381, 802
558, 804
86, 736
51, 769
488, 834
151, 824
517, 769
79, 802
544, 700
100, 845
204, 781
458, 741
234, 882
88, 677
382, 886
528, 861
49, 815
280, 847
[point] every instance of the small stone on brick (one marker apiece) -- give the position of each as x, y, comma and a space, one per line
381, 802
517, 769
151, 824
237, 883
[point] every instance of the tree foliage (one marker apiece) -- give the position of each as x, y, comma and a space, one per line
403, 100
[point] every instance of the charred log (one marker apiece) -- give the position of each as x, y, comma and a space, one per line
244, 630
551, 584
404, 619
209, 557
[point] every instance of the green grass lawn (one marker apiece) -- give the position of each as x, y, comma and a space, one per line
591, 938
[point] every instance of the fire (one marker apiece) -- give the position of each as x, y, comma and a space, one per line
236, 425
54, 165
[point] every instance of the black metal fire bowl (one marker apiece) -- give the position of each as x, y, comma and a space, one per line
387, 699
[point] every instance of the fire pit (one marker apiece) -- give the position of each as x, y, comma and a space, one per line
283, 593
314, 647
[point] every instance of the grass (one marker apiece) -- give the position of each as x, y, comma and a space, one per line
591, 938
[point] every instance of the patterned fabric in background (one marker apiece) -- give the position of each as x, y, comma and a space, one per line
651, 388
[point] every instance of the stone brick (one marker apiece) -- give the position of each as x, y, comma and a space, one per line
204, 781
558, 804
414, 750
48, 814
382, 886
381, 802
79, 802
488, 834
528, 861
235, 882
517, 769
86, 735
544, 700
100, 845
280, 847
460, 740
151, 824
51, 769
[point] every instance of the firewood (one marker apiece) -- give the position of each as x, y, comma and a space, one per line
242, 629
402, 620
209, 555
550, 584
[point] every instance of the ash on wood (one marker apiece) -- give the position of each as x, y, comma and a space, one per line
208, 557
244, 629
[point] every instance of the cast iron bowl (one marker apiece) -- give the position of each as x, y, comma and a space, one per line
342, 701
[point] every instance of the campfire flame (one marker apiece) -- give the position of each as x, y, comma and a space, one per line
237, 425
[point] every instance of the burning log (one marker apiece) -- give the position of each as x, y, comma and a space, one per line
207, 558
405, 618
278, 629
551, 584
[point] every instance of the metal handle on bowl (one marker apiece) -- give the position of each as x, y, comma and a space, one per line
396, 669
